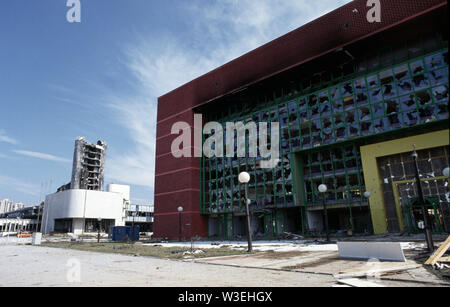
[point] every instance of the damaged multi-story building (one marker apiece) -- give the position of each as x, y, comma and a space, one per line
82, 205
352, 95
88, 165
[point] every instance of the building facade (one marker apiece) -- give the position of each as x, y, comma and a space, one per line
352, 98
88, 165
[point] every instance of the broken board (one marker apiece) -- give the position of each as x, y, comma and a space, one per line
386, 251
437, 256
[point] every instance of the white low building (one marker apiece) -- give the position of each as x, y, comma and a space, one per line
83, 211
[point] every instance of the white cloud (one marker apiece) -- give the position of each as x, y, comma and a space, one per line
40, 155
6, 139
220, 31
19, 186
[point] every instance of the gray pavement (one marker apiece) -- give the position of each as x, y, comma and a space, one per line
26, 265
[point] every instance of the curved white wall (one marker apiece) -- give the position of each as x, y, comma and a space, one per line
79, 204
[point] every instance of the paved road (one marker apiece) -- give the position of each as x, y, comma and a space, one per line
25, 265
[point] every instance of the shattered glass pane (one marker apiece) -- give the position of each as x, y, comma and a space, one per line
379, 125
417, 67
366, 127
353, 129
386, 77
440, 93
348, 103
347, 90
361, 98
421, 82
424, 97
401, 72
373, 81
407, 103
375, 95
337, 105
314, 112
312, 100
364, 113
338, 121
302, 103
411, 118
388, 90
426, 114
334, 93
438, 76
360, 85
434, 61
404, 87
395, 121
442, 110
378, 109
392, 106
340, 134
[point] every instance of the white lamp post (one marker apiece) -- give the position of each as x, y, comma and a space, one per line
180, 209
323, 189
244, 178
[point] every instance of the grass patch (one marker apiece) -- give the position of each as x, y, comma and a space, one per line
148, 250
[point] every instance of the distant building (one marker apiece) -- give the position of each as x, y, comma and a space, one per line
141, 215
81, 205
88, 165
7, 205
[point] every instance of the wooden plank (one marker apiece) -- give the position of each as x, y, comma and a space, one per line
439, 252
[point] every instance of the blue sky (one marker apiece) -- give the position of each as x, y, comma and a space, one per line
101, 78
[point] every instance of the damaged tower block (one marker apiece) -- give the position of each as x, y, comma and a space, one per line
88, 165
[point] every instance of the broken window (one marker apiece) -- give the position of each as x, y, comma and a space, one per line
434, 61
404, 87
439, 76
440, 93
364, 113
372, 81
417, 67
375, 95
388, 91
378, 109
366, 127
395, 121
379, 125
386, 77
334, 93
401, 72
340, 134
407, 103
348, 103
424, 97
337, 105
426, 114
392, 106
421, 82
411, 118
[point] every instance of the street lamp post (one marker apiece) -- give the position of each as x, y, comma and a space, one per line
180, 209
323, 189
99, 220
428, 234
244, 178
